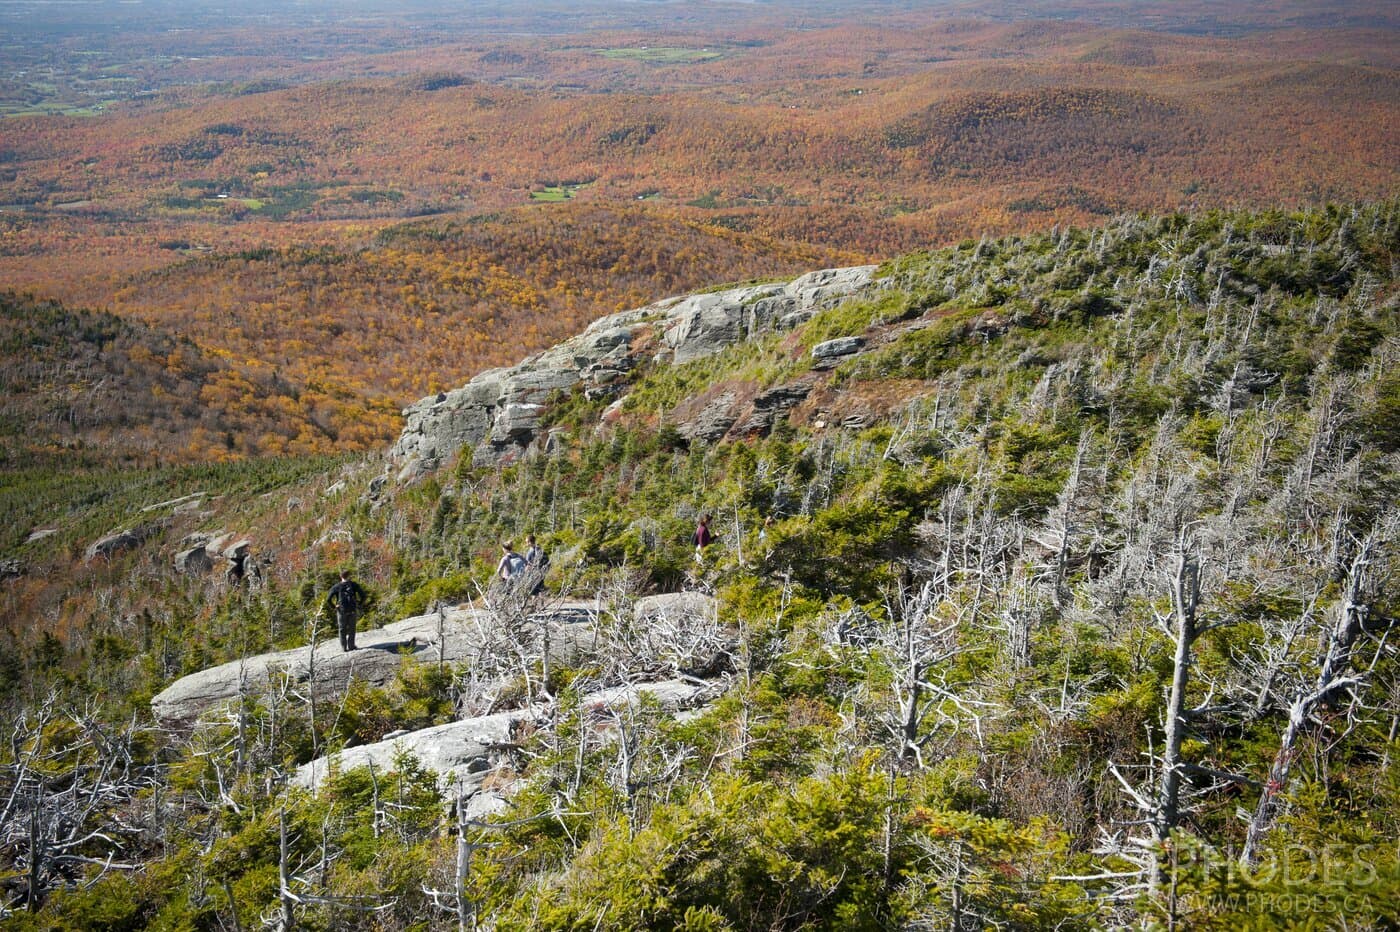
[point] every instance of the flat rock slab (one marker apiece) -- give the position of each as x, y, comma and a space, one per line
676, 605
464, 753
459, 752
842, 346
455, 637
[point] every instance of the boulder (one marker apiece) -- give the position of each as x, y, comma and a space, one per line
833, 349
113, 544
11, 568
194, 561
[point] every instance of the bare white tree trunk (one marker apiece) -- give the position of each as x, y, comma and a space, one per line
1186, 592
1333, 676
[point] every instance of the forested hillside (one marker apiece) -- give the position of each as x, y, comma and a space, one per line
338, 219
84, 388
314, 350
1062, 596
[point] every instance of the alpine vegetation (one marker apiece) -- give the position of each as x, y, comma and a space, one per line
1048, 582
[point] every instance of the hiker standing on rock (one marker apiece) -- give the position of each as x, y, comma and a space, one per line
347, 597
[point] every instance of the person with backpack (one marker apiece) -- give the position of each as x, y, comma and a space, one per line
347, 597
534, 553
512, 564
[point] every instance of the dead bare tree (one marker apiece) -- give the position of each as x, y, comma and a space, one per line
916, 638
62, 799
1161, 799
292, 887
1186, 628
1335, 676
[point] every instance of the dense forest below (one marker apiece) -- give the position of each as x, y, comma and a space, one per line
301, 351
1065, 599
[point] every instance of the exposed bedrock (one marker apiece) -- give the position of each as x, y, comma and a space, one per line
498, 414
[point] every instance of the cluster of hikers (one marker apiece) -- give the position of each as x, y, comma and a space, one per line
514, 569
347, 598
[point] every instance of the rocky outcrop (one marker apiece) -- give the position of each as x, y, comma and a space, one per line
194, 561
828, 353
458, 635
772, 404
118, 541
499, 413
183, 504
687, 605
702, 325
202, 551
712, 421
466, 754
459, 752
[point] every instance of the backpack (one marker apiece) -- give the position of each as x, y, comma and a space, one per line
537, 558
348, 600
515, 564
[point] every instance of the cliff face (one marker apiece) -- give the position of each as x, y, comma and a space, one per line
497, 414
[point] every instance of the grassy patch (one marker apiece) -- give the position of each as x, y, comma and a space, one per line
555, 193
662, 55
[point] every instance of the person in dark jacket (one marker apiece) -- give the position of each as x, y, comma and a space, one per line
536, 563
347, 597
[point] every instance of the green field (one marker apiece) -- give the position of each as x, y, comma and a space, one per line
662, 55
554, 194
